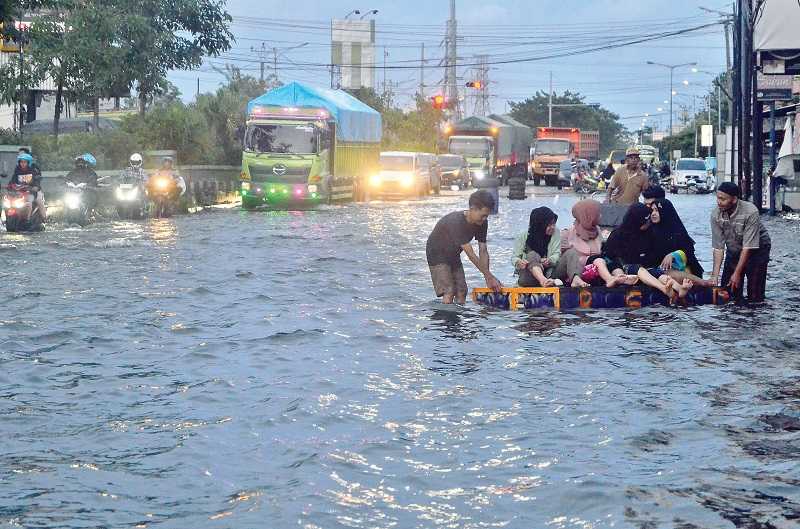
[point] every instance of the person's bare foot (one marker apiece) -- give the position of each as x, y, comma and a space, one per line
629, 279
547, 283
614, 281
683, 288
577, 282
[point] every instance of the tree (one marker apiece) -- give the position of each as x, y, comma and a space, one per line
163, 35
225, 110
533, 112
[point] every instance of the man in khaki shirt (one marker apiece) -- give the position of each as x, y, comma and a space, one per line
737, 233
629, 181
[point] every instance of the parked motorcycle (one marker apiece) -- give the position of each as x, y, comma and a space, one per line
163, 192
130, 199
21, 210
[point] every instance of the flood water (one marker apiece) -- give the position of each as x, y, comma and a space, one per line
231, 369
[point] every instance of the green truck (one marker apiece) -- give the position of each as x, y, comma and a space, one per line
305, 145
494, 146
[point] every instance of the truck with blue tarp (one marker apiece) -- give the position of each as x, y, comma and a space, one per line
306, 145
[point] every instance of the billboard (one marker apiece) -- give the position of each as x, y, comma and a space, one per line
353, 52
706, 135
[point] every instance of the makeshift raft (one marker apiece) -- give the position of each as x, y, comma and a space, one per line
566, 298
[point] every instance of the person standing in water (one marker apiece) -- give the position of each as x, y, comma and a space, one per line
453, 234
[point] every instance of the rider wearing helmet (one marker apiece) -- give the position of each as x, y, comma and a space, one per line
168, 168
135, 169
25, 173
84, 171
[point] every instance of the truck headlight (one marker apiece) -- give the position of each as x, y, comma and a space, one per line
312, 188
407, 180
375, 180
245, 186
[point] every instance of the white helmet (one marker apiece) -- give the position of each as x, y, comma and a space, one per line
136, 160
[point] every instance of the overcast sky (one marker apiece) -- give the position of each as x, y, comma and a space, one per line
618, 79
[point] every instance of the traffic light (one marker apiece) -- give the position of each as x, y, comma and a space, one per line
477, 85
438, 102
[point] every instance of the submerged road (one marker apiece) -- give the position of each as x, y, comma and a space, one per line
232, 369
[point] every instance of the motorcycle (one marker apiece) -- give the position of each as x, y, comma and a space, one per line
585, 183
77, 209
163, 192
21, 210
129, 196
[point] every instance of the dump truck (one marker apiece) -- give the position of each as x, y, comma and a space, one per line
308, 145
494, 146
556, 144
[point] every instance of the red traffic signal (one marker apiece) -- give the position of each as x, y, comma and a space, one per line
475, 84
438, 102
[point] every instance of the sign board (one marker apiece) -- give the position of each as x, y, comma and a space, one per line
774, 87
676, 154
353, 52
659, 135
706, 135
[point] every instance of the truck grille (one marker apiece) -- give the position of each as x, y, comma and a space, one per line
292, 175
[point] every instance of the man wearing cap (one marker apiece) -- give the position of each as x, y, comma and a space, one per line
629, 181
737, 232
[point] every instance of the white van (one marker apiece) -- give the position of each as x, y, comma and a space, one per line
690, 174
402, 174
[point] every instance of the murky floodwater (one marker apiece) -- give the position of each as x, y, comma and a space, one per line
229, 369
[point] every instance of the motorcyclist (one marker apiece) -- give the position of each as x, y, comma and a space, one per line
168, 168
83, 173
135, 171
26, 173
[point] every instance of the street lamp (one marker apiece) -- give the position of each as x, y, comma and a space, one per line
368, 13
671, 68
353, 12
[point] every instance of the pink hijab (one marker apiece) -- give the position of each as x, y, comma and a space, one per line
584, 235
587, 217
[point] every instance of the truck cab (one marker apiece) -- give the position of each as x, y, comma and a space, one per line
548, 153
479, 153
286, 156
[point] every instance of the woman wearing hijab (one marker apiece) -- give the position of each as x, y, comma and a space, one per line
672, 249
538, 250
627, 248
579, 242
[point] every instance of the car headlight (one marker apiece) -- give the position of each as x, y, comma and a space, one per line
245, 186
72, 201
375, 180
479, 174
407, 180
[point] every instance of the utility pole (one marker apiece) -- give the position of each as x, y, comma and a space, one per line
422, 73
385, 56
451, 80
550, 103
262, 56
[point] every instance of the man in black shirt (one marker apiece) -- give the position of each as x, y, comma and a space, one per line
452, 235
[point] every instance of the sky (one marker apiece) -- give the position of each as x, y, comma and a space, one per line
510, 30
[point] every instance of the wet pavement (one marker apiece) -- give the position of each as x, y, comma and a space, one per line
232, 369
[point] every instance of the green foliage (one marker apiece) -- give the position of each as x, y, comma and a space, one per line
533, 112
414, 130
683, 141
204, 132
